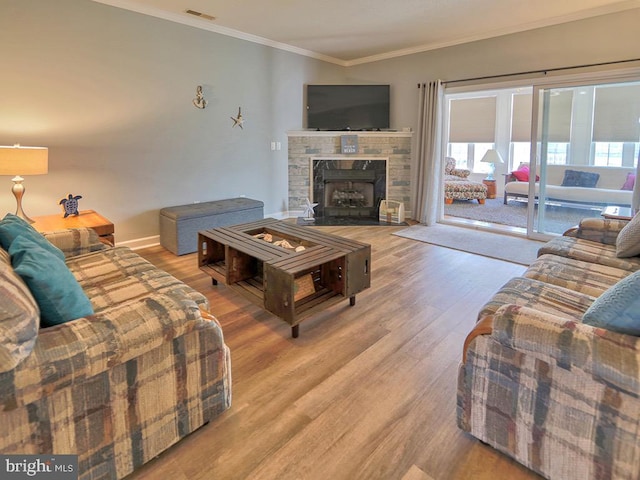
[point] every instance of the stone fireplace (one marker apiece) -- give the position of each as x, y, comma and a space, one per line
350, 184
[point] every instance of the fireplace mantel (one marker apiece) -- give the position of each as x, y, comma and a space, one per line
306, 145
339, 133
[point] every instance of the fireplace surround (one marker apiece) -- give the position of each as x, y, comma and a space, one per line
392, 150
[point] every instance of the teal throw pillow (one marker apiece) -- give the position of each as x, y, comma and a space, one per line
618, 308
12, 226
57, 292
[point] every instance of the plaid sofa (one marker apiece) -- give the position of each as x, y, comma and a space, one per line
120, 386
559, 396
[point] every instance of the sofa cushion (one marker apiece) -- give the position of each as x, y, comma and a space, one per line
589, 251
12, 226
576, 178
19, 318
617, 309
584, 277
629, 182
522, 174
628, 240
58, 294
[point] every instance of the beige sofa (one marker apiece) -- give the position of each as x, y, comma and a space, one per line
116, 387
608, 190
536, 382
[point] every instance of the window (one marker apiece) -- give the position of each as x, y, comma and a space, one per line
607, 154
459, 151
520, 153
557, 153
615, 154
468, 155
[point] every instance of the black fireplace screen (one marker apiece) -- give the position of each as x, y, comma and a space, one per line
349, 187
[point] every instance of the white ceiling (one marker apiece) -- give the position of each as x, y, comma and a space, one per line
349, 32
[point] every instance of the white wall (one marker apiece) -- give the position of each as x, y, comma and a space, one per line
110, 93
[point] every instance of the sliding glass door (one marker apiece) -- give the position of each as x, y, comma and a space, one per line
567, 150
585, 154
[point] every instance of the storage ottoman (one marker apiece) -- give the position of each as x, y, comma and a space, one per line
179, 226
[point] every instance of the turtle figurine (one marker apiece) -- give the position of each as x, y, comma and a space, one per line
70, 205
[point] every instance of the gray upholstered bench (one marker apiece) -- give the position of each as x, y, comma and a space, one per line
179, 225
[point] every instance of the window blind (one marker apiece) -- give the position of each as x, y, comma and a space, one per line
472, 120
617, 113
559, 128
521, 117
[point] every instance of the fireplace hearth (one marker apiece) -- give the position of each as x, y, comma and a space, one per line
348, 188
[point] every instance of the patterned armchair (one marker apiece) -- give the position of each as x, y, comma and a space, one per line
458, 187
453, 174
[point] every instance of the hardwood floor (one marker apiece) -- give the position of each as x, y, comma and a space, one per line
365, 392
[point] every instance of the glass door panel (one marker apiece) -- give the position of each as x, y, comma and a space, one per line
587, 142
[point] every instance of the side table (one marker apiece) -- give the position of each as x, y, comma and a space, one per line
491, 188
87, 218
618, 213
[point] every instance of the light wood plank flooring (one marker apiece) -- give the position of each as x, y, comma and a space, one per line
365, 392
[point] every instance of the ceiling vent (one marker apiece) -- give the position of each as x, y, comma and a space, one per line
200, 14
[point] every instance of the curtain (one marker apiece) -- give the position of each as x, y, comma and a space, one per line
428, 177
635, 199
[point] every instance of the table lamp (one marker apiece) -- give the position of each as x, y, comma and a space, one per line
491, 157
18, 161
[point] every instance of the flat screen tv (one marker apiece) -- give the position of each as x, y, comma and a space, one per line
348, 107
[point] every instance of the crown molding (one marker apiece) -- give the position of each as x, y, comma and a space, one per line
196, 22
186, 19
549, 22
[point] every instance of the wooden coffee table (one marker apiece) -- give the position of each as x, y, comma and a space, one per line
290, 284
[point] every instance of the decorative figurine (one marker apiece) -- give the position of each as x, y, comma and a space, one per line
199, 101
70, 205
238, 120
308, 209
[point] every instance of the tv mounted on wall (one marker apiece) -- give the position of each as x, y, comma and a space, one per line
348, 107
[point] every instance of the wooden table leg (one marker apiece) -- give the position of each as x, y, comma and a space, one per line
352, 300
295, 331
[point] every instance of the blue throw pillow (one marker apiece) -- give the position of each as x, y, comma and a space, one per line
618, 308
576, 178
57, 292
12, 226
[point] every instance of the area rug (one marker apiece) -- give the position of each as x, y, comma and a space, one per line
502, 247
558, 218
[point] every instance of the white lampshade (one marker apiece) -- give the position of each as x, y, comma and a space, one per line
492, 156
19, 160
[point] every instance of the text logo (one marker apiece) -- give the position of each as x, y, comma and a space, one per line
39, 467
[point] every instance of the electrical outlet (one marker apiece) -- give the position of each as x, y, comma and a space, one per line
278, 145
273, 145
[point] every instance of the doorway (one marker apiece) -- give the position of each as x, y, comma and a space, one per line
584, 157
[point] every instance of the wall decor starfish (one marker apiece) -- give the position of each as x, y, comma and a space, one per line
238, 120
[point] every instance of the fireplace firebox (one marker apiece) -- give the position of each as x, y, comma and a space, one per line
348, 188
